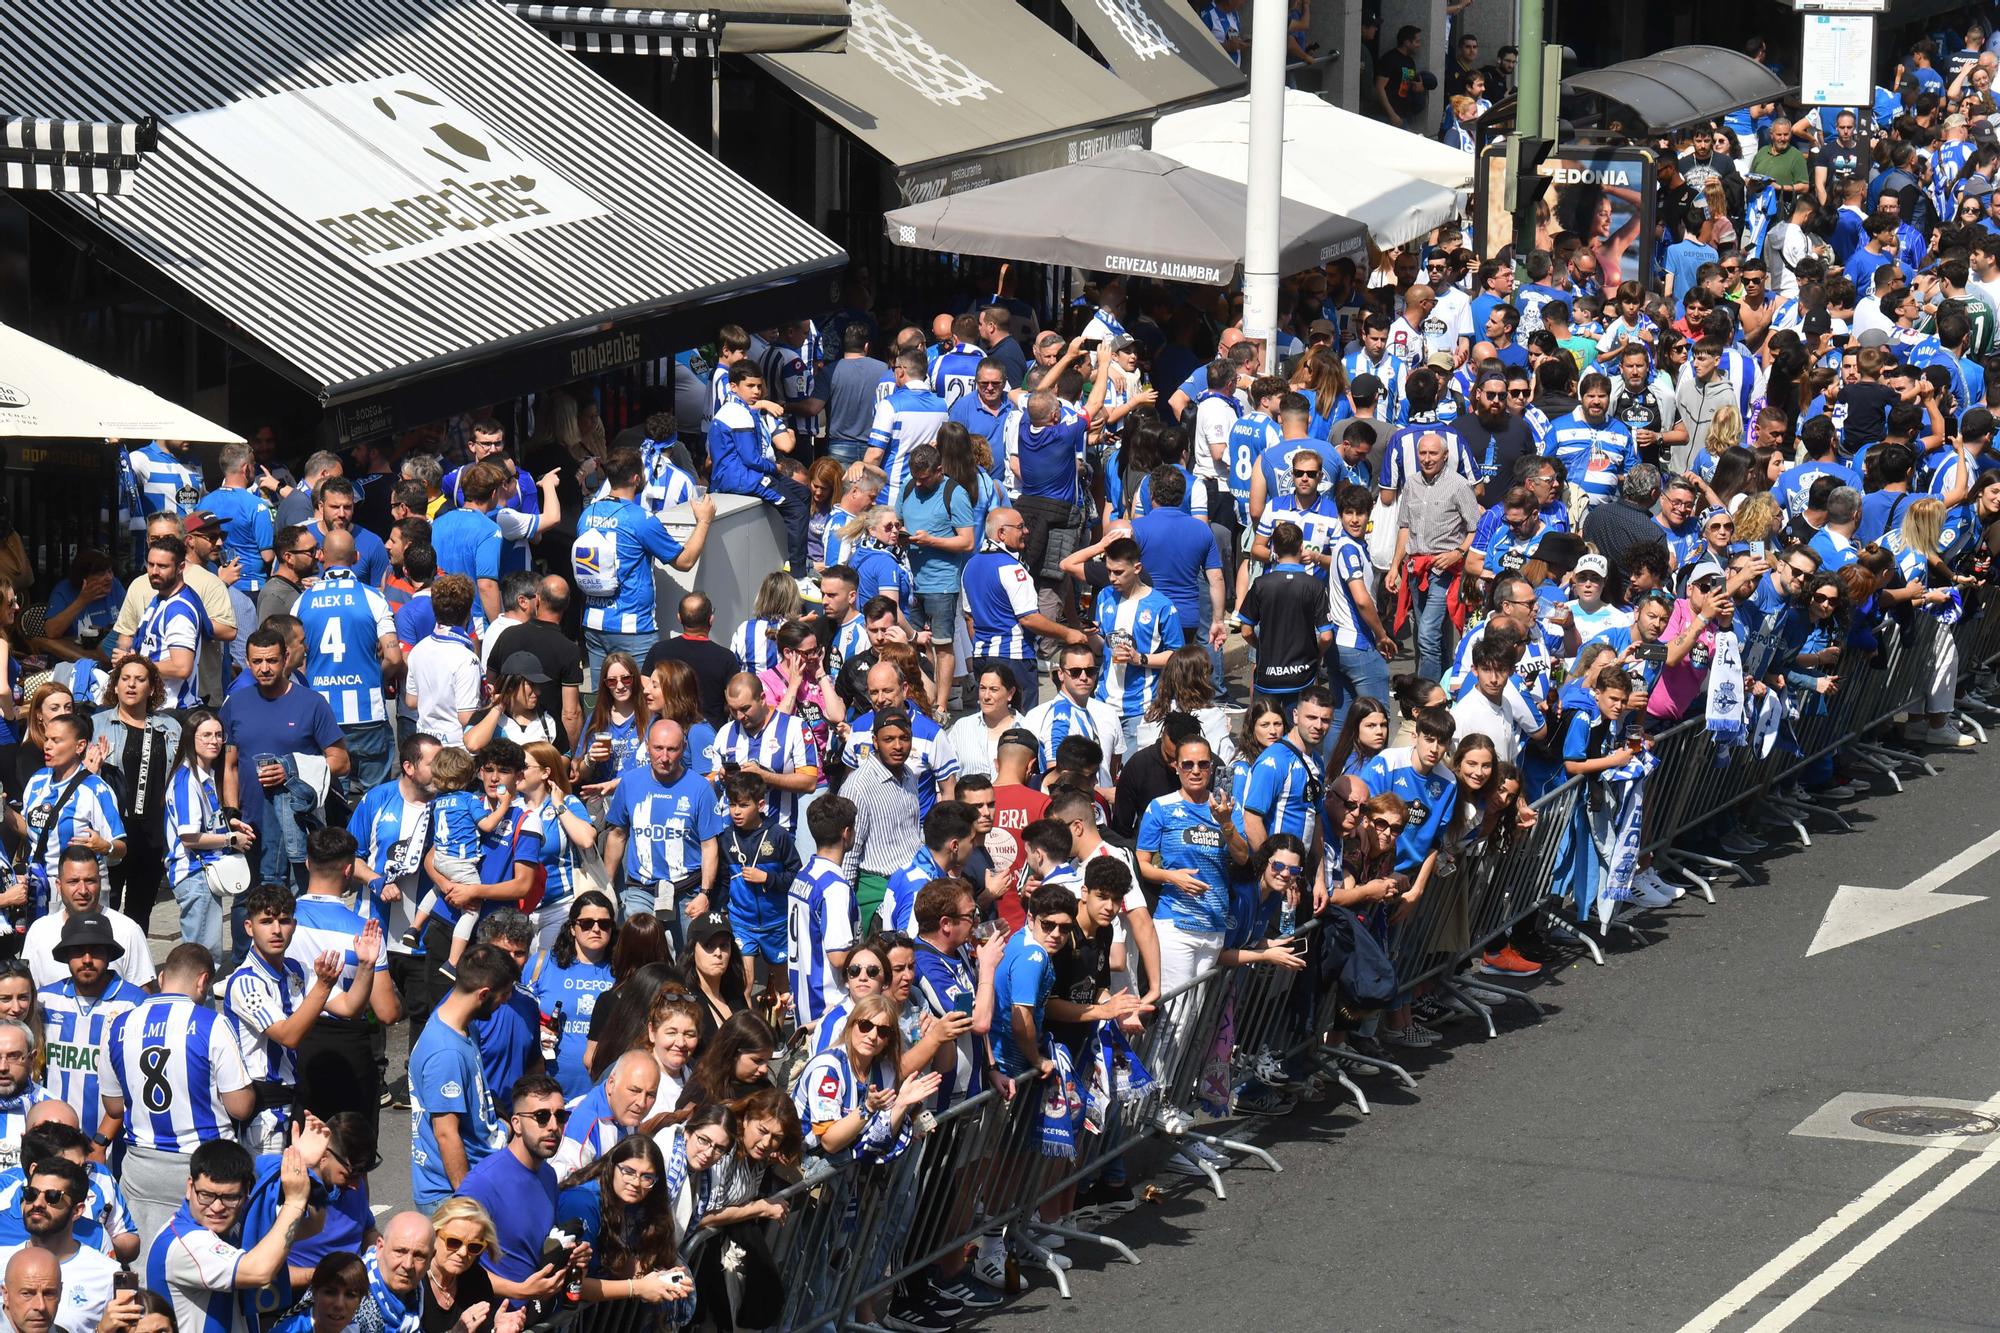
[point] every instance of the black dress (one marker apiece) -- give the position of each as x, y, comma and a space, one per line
474, 1286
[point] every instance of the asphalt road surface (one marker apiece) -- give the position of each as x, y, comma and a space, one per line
1629, 1161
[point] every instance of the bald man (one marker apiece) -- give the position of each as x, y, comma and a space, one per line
610, 1111
351, 653
32, 1290
398, 1264
1345, 796
662, 824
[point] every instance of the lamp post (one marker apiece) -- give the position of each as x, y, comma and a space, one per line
1265, 187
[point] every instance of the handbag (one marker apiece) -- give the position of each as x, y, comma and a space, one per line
228, 874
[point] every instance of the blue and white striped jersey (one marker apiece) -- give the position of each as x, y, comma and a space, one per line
849, 640
74, 1028
998, 592
1399, 461
195, 1269
819, 920
168, 483
591, 1132
931, 757
193, 806
663, 485
328, 925
346, 621
665, 825
908, 417
1055, 720
954, 369
1594, 456
13, 1124
169, 623
1350, 563
1319, 525
92, 807
615, 542
783, 746
171, 1060
947, 982
1253, 433
1389, 370
257, 996
755, 644
1284, 791
1150, 624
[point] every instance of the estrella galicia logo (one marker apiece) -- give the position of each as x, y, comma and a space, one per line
12, 395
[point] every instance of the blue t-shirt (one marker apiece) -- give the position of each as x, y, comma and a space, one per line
522, 1203
577, 989
96, 618
940, 513
506, 1039
1048, 456
1183, 835
247, 531
1431, 797
1684, 259
1177, 549
1025, 977
296, 722
666, 824
446, 1076
1795, 483
467, 541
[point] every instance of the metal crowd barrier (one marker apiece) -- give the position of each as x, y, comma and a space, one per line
853, 1234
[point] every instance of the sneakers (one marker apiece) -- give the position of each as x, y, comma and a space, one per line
447, 971
1180, 1164
1739, 843
1260, 1100
1649, 890
1172, 1120
1839, 791
1429, 1010
989, 1264
1415, 1037
1507, 962
1949, 737
411, 939
1215, 1157
1105, 1199
909, 1315
973, 1294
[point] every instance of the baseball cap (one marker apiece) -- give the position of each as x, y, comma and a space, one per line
1020, 736
1872, 338
525, 665
1976, 423
1594, 564
92, 930
1441, 361
1815, 323
1365, 386
201, 520
707, 927
1321, 327
1703, 569
1124, 342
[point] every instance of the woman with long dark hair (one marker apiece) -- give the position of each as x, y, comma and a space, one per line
192, 814
692, 1147
627, 1213
619, 1023
570, 979
614, 739
713, 973
142, 745
734, 1063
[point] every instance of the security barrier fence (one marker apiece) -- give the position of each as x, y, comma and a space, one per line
855, 1231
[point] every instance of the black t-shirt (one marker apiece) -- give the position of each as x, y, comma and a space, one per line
1509, 441
1083, 972
475, 1287
1842, 164
713, 665
1287, 605
1405, 87
1868, 407
561, 662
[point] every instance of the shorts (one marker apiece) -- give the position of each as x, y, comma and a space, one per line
934, 611
759, 926
1055, 529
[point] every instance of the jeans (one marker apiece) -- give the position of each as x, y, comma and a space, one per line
599, 643
1355, 673
1431, 621
289, 813
201, 914
1199, 634
847, 451
372, 748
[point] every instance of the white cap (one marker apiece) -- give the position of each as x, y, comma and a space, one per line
1593, 564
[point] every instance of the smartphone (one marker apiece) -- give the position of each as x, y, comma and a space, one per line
124, 1280
1092, 344
1656, 652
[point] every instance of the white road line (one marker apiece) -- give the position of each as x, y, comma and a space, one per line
1881, 1192
1801, 1302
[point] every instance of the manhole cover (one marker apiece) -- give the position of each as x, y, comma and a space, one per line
1926, 1121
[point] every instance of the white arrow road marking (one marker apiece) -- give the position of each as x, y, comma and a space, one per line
1856, 913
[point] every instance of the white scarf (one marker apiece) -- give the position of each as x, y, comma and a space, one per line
1725, 690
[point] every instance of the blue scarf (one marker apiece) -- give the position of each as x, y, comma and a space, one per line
1229, 398
32, 1093
393, 1315
1062, 1108
1117, 1071
1110, 321
455, 634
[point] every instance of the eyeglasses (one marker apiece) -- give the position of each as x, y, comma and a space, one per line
862, 1025
1517, 393
210, 1199
635, 1175
473, 1248
557, 1114
1050, 925
29, 1194
593, 923
1385, 825
350, 1167
870, 970
991, 384
303, 550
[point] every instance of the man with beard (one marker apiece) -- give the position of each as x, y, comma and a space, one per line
452, 1125
1493, 436
518, 1188
18, 1089
50, 1204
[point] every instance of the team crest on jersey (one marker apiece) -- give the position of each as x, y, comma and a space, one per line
1145, 617
452, 1090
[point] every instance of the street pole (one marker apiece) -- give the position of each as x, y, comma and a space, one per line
1265, 188
1527, 111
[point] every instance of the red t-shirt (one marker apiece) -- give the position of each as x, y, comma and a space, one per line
1014, 808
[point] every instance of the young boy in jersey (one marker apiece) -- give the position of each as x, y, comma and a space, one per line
761, 861
459, 819
819, 922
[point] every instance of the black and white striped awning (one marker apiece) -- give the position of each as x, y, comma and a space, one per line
368, 195
641, 32
72, 156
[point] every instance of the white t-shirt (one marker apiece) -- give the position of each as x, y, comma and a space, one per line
444, 680
135, 965
1212, 423
1454, 308
86, 1287
1506, 723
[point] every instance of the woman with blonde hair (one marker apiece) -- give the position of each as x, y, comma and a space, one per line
872, 548
1760, 524
46, 702
754, 642
458, 1293
1929, 583
1725, 432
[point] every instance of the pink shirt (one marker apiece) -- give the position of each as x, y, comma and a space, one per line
811, 702
1679, 685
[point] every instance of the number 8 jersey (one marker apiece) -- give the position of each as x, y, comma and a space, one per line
171, 1060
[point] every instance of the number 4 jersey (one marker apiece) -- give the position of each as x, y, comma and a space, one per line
346, 621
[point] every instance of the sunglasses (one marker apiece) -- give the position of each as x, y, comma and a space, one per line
1305, 472
872, 1029
1283, 871
1385, 825
1080, 672
593, 923
870, 970
29, 1194
1825, 599
543, 1117
1195, 765
473, 1248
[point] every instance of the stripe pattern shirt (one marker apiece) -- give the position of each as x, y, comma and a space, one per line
168, 484
931, 757
171, 1061
346, 621
192, 807
998, 592
74, 1028
257, 997
328, 925
755, 644
783, 746
1060, 718
819, 920
908, 417
92, 807
170, 623
1147, 622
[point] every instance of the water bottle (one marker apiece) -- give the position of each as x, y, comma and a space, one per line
1287, 914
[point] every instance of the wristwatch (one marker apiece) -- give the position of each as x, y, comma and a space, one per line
101, 1140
